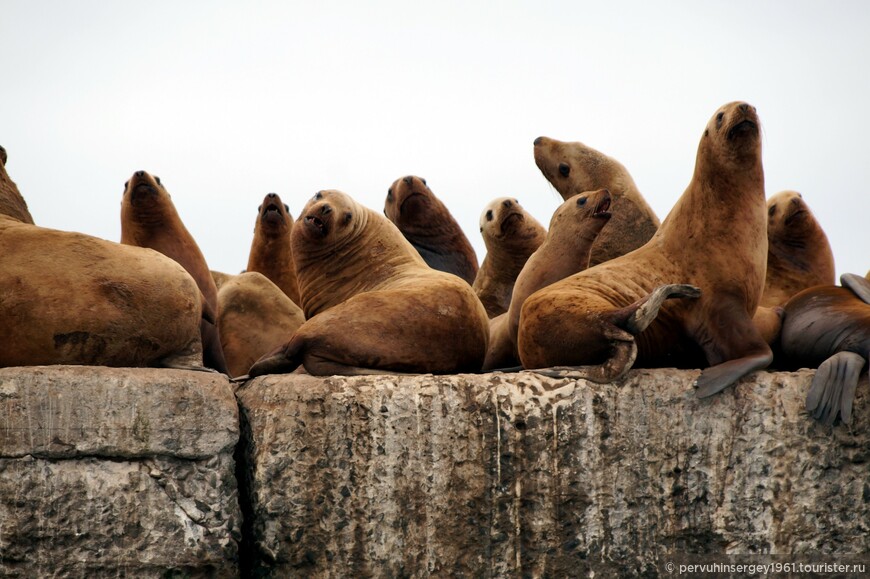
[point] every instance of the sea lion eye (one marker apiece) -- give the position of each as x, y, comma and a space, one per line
156, 178
286, 208
390, 194
126, 185
347, 217
423, 180
564, 169
719, 118
318, 195
771, 210
260, 208
581, 201
489, 215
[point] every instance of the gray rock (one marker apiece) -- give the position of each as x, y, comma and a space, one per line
110, 472
508, 475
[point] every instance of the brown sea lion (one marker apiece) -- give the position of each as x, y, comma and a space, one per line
254, 317
11, 201
572, 167
798, 253
149, 219
573, 229
220, 278
714, 239
829, 327
511, 235
372, 304
69, 298
270, 253
427, 223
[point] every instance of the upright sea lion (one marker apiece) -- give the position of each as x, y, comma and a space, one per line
829, 327
271, 253
74, 299
798, 253
254, 317
573, 229
427, 223
149, 219
372, 304
11, 201
572, 167
714, 239
511, 235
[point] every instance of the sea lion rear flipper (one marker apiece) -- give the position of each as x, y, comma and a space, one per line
282, 360
833, 387
641, 313
624, 353
859, 286
716, 378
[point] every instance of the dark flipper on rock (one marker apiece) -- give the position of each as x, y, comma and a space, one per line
833, 389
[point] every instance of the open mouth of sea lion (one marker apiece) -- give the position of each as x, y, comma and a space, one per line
744, 127
272, 213
317, 225
603, 208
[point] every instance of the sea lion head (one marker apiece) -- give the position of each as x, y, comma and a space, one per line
273, 215
144, 192
584, 215
410, 202
732, 137
789, 217
328, 221
504, 218
3, 156
572, 167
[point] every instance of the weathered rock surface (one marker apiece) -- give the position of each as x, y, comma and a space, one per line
510, 475
117, 472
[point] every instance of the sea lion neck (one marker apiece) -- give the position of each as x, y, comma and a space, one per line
11, 201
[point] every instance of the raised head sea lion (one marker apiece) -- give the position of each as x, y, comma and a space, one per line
149, 219
270, 253
426, 222
829, 327
572, 167
254, 317
372, 304
11, 201
511, 235
715, 239
798, 253
573, 229
69, 298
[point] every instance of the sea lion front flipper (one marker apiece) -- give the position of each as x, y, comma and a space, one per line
646, 309
833, 387
282, 360
624, 353
859, 286
716, 378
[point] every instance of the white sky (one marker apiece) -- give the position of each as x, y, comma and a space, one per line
227, 101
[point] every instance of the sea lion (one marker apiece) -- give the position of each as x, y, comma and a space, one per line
149, 219
798, 253
69, 298
270, 253
254, 317
829, 327
220, 278
574, 227
714, 239
572, 167
427, 223
11, 201
511, 235
372, 304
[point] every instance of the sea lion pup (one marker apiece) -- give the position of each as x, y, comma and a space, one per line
427, 223
69, 298
11, 201
149, 219
511, 235
270, 253
372, 304
573, 229
829, 327
572, 167
714, 239
254, 317
798, 253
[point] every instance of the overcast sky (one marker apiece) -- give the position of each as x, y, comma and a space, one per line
227, 101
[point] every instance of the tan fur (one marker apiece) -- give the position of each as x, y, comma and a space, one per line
371, 302
69, 298
271, 253
430, 227
634, 222
255, 317
714, 238
11, 201
511, 235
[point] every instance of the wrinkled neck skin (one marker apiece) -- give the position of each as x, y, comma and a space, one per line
144, 222
11, 201
508, 254
792, 261
565, 252
430, 228
369, 254
271, 251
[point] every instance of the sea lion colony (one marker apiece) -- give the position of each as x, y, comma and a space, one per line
360, 293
